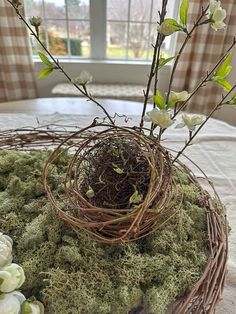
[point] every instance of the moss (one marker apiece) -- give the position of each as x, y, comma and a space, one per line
73, 274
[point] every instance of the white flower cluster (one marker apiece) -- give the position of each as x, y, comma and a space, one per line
12, 277
217, 15
162, 117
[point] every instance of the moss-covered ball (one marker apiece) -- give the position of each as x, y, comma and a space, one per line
73, 275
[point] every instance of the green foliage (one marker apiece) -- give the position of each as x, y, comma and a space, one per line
170, 26
90, 192
163, 61
184, 12
75, 46
117, 169
50, 67
45, 59
159, 100
136, 198
74, 275
222, 72
233, 100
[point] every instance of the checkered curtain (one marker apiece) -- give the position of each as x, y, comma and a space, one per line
205, 48
17, 80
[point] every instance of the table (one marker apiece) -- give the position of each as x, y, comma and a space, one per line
214, 151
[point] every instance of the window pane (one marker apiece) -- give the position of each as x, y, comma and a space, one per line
157, 7
138, 40
140, 10
78, 9
57, 37
33, 8
116, 40
54, 9
79, 33
117, 10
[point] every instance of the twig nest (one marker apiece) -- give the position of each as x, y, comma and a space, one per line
118, 183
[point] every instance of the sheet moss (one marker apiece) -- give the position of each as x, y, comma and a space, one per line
74, 275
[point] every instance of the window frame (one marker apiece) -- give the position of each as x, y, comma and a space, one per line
98, 32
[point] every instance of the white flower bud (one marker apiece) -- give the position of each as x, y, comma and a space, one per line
5, 250
84, 78
178, 97
32, 307
11, 277
10, 303
35, 21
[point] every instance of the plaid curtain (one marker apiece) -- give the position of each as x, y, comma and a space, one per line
204, 49
17, 79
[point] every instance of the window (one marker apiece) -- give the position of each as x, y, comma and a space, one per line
100, 29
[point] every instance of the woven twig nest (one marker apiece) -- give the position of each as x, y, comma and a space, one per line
118, 184
204, 295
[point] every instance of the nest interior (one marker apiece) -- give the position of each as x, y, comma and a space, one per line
118, 184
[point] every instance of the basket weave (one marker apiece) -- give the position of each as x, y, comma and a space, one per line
204, 296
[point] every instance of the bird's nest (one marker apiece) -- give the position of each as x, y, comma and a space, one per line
119, 187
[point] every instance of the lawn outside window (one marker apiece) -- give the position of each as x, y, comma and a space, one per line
115, 30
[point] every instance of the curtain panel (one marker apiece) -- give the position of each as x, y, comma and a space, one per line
201, 54
17, 79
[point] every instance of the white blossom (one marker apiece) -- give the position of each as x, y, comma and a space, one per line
5, 250
178, 97
159, 117
217, 15
190, 121
10, 303
84, 78
11, 277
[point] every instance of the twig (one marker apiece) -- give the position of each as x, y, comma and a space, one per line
188, 37
155, 62
206, 78
56, 62
202, 125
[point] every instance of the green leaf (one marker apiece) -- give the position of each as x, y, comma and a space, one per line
164, 61
159, 100
45, 72
90, 193
233, 100
184, 12
117, 169
171, 103
225, 68
225, 84
170, 26
135, 198
45, 59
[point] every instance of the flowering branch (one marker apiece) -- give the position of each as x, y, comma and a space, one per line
83, 90
155, 62
193, 135
206, 79
187, 38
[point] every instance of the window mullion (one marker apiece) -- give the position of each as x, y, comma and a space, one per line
98, 28
128, 29
46, 27
67, 28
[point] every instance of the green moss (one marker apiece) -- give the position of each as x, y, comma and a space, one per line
73, 274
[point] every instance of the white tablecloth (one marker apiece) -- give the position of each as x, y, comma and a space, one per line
214, 151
